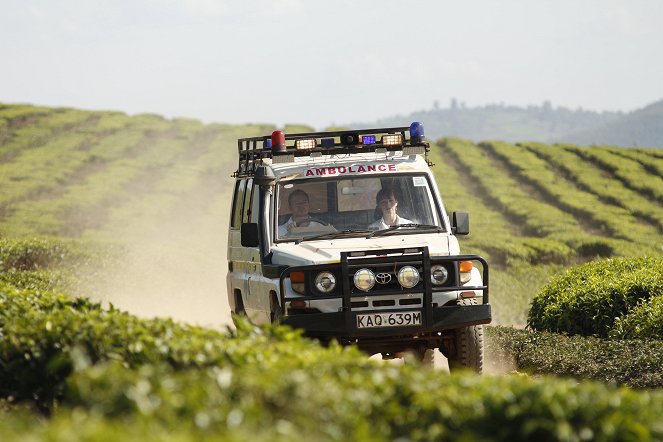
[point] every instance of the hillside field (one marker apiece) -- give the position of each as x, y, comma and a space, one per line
132, 211
160, 189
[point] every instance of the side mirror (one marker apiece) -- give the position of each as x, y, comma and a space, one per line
250, 235
460, 223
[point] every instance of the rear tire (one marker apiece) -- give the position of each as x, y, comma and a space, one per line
239, 305
275, 313
427, 358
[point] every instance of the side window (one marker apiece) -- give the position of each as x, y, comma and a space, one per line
248, 197
255, 203
237, 204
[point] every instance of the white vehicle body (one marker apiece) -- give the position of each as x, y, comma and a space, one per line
304, 221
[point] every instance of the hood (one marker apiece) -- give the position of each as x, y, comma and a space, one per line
329, 251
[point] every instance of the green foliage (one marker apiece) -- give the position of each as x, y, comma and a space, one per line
96, 370
35, 253
644, 321
587, 299
107, 367
636, 363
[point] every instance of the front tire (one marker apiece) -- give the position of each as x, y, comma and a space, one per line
468, 343
469, 349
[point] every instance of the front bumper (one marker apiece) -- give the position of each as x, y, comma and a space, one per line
436, 320
341, 326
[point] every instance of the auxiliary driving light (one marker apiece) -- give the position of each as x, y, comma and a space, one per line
438, 274
408, 277
306, 144
364, 279
325, 282
392, 140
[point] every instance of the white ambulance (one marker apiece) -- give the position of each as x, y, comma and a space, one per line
344, 235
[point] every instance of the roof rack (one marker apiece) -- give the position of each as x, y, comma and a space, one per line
253, 150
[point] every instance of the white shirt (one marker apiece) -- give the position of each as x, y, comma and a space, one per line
380, 224
285, 228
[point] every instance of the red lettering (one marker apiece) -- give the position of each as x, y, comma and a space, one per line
320, 171
392, 167
382, 167
341, 169
331, 170
371, 168
361, 169
351, 170
309, 172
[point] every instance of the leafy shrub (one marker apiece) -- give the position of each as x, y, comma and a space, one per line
587, 299
311, 393
40, 330
636, 363
644, 321
35, 253
109, 370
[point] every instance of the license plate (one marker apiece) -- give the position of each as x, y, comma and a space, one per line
388, 319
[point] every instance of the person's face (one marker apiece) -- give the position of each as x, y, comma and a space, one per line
388, 203
299, 206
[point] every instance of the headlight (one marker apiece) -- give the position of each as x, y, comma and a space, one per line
325, 282
438, 274
408, 276
364, 279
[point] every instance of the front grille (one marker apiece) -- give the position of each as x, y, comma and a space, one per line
378, 302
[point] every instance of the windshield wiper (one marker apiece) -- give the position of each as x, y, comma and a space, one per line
332, 235
393, 228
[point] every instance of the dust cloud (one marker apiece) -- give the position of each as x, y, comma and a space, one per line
174, 265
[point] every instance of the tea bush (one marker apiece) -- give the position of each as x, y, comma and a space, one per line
587, 299
635, 363
644, 321
103, 374
33, 253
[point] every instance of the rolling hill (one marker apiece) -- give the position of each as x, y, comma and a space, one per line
544, 123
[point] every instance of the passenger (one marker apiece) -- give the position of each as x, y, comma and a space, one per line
386, 204
298, 202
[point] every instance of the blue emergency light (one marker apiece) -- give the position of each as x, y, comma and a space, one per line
368, 139
417, 132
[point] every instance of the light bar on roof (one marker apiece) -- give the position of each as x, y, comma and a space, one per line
392, 140
306, 144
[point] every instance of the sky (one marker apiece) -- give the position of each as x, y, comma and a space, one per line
328, 62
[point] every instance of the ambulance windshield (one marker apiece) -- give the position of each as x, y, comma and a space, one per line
354, 206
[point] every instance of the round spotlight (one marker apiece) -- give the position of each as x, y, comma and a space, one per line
364, 279
408, 277
438, 274
325, 282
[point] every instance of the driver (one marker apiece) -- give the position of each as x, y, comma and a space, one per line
299, 206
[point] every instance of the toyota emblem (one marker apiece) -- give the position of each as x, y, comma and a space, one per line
383, 278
